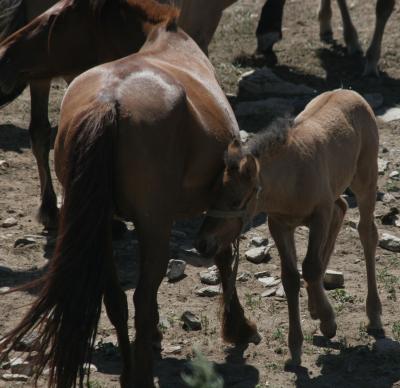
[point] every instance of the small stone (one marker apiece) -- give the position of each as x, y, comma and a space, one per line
390, 242
382, 166
22, 242
391, 114
244, 136
391, 218
258, 242
14, 377
190, 321
176, 270
4, 289
211, 276
387, 198
90, 368
280, 292
209, 291
394, 174
173, 349
256, 255
4, 164
244, 277
333, 279
375, 100
269, 292
21, 367
9, 222
269, 281
261, 274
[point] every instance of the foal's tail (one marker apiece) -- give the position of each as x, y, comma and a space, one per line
66, 313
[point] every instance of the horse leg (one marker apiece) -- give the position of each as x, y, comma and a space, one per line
384, 9
269, 29
154, 248
117, 311
366, 197
40, 130
314, 268
325, 18
349, 32
235, 327
284, 240
338, 214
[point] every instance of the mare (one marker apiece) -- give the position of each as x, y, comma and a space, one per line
143, 138
296, 175
269, 30
200, 21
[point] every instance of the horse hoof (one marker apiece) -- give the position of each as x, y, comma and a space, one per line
48, 218
326, 37
293, 362
255, 338
328, 329
376, 332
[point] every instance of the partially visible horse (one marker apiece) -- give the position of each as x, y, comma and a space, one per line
297, 175
269, 30
142, 137
198, 19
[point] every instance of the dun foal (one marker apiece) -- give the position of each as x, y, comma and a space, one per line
297, 176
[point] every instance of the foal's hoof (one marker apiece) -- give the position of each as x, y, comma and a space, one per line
48, 218
328, 329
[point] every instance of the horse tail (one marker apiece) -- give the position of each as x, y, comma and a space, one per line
66, 313
12, 17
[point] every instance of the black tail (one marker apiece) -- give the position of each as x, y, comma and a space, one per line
67, 311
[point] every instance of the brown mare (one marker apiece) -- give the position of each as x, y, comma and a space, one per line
301, 172
199, 20
142, 137
269, 29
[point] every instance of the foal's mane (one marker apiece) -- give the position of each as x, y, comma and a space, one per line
270, 138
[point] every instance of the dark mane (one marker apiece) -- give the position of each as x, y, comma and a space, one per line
274, 135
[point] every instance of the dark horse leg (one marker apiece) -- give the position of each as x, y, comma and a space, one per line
154, 236
39, 130
235, 327
269, 30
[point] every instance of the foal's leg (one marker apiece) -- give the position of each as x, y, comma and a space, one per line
117, 311
384, 9
269, 29
338, 214
284, 239
235, 327
366, 197
349, 32
154, 249
314, 268
325, 18
39, 130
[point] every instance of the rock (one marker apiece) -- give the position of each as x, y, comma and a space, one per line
375, 100
387, 198
276, 105
390, 242
390, 114
244, 136
22, 242
391, 218
4, 164
244, 277
265, 82
256, 255
333, 279
190, 321
173, 349
14, 377
269, 281
394, 174
4, 289
280, 292
21, 367
269, 292
258, 241
90, 368
261, 274
9, 222
176, 270
382, 166
28, 343
211, 276
209, 291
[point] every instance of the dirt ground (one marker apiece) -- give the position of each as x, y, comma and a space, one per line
352, 358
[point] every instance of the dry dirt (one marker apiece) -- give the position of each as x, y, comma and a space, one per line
351, 359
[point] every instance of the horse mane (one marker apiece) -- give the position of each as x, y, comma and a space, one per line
12, 17
273, 136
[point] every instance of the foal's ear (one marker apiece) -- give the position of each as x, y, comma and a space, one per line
233, 155
249, 167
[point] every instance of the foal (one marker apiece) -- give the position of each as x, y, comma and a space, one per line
297, 175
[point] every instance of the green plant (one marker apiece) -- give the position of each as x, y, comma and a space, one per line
203, 374
252, 301
341, 297
390, 283
362, 332
94, 384
278, 335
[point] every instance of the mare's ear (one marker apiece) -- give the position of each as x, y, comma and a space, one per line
233, 155
249, 167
